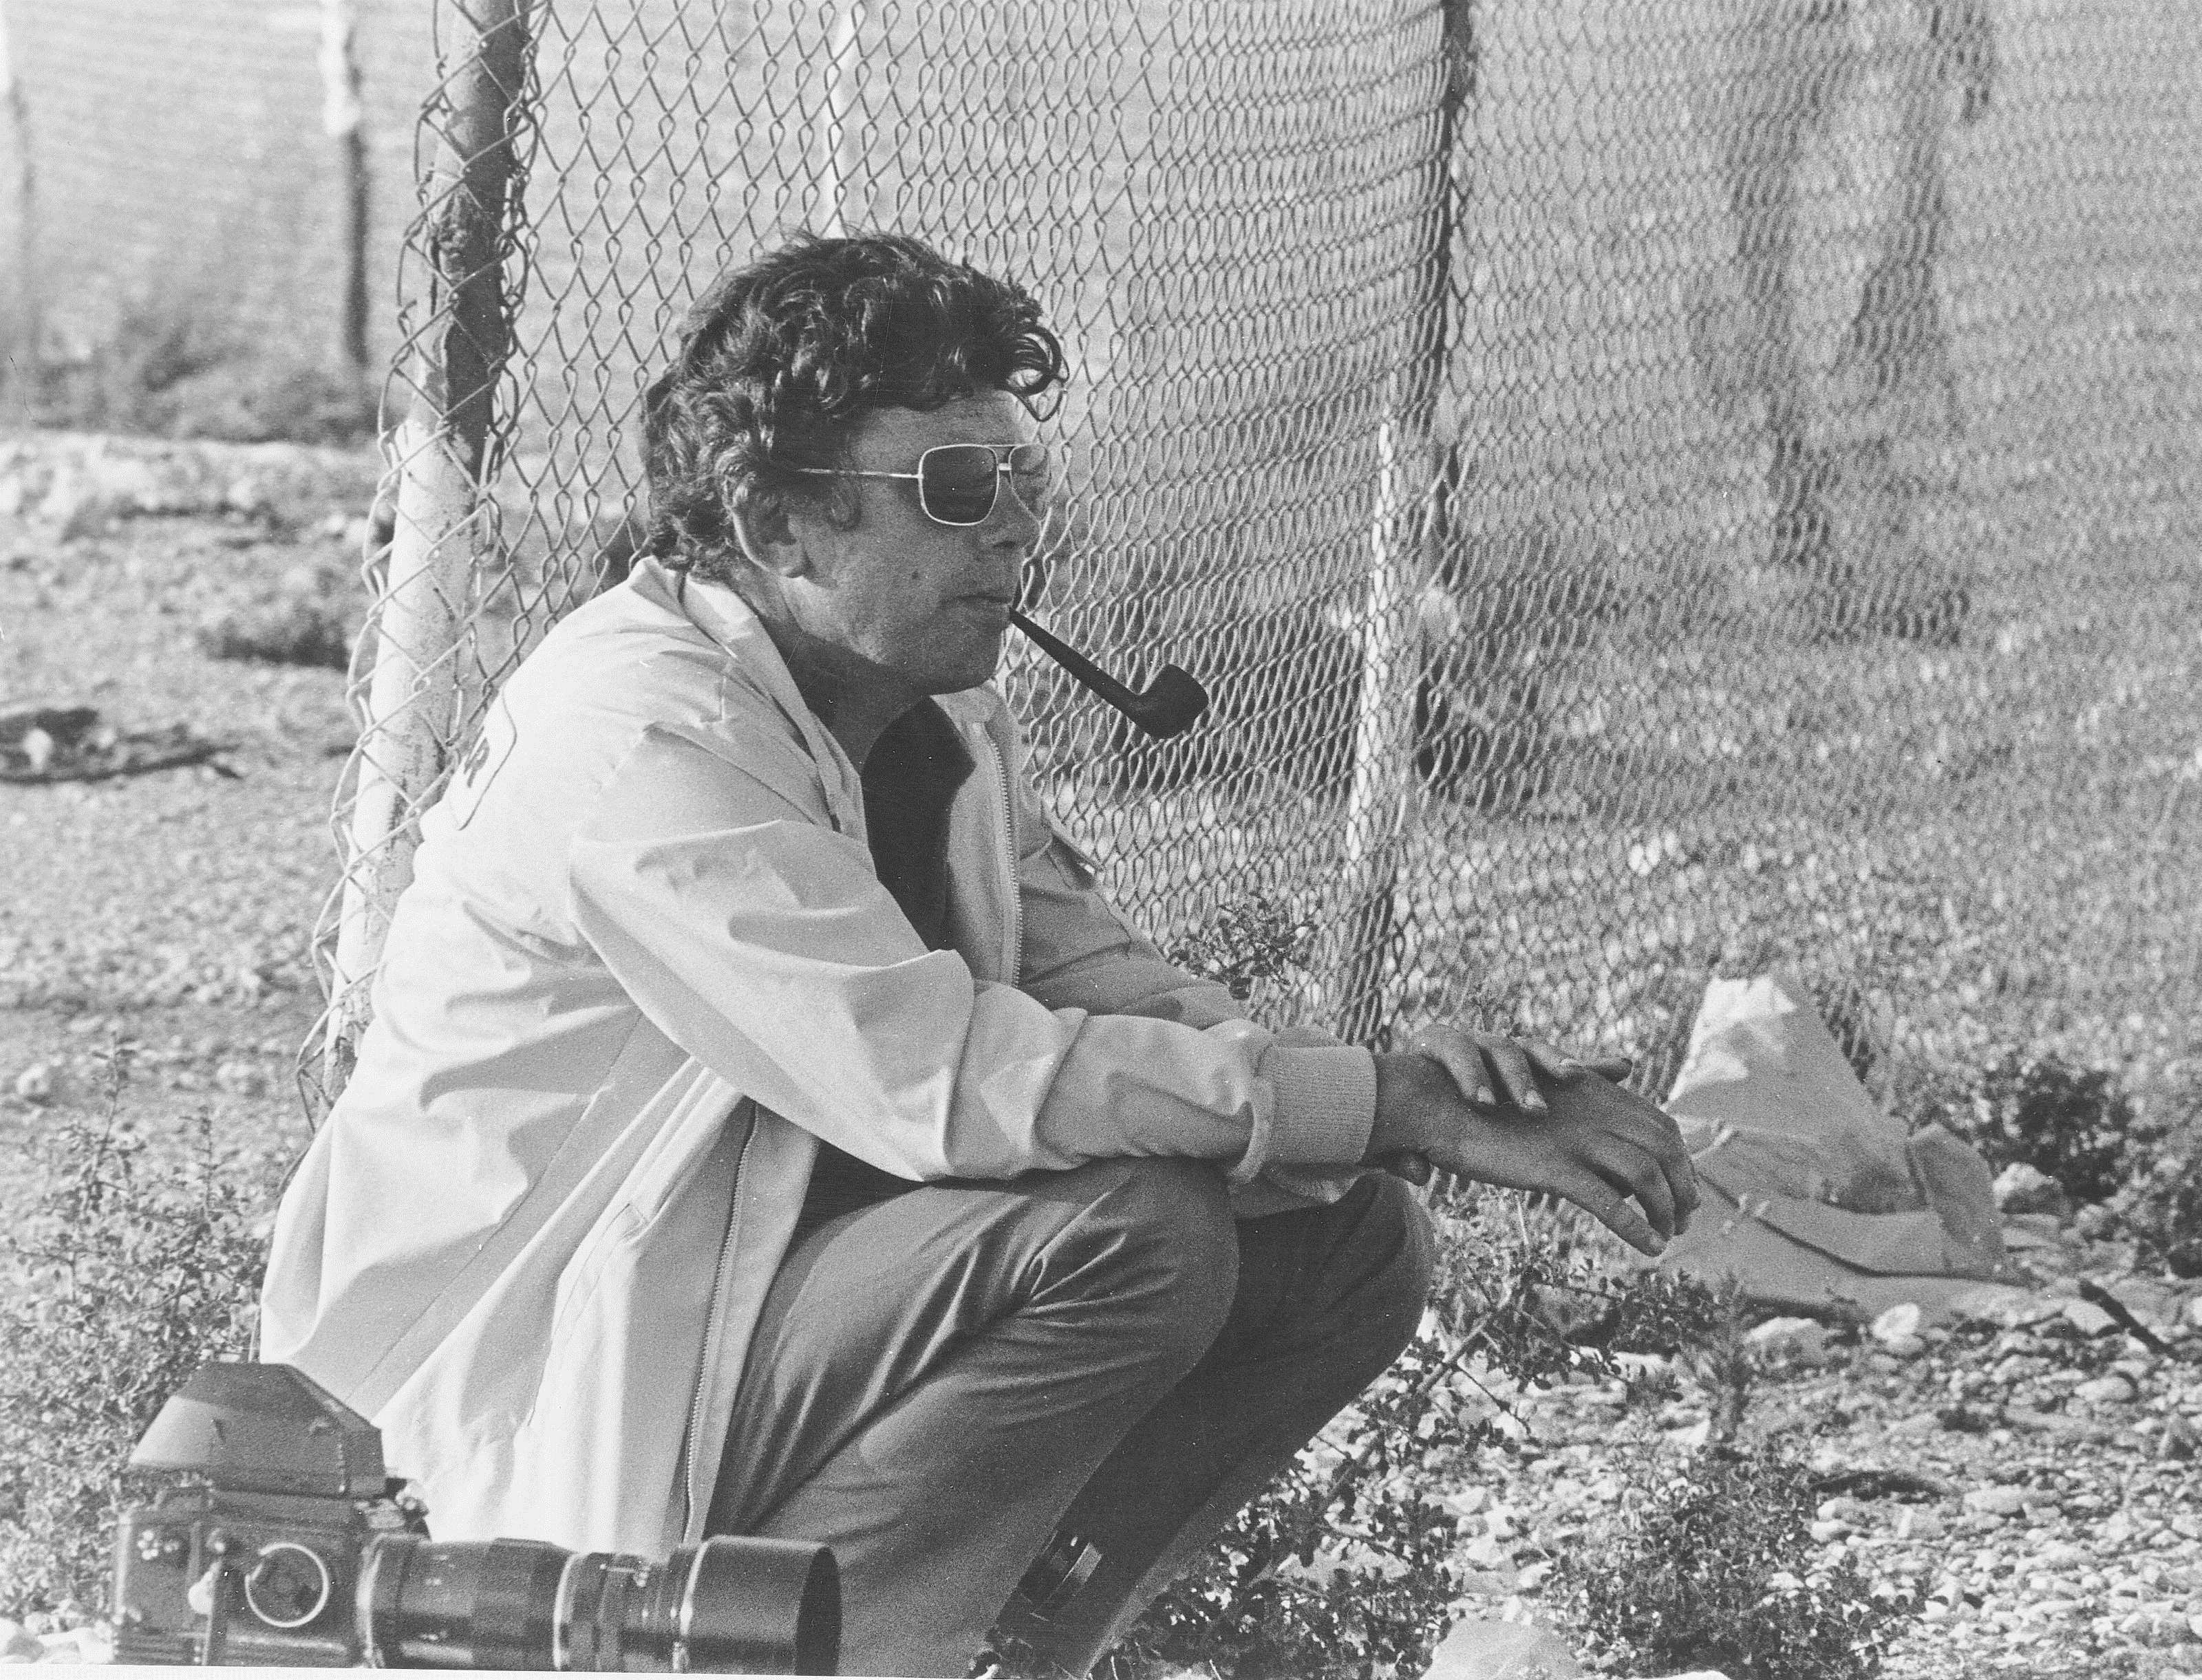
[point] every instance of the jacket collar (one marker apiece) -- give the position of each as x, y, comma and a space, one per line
721, 614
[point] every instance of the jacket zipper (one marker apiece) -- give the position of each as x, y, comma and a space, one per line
711, 1332
1015, 947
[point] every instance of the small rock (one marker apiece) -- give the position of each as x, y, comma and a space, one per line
2001, 1304
1486, 1552
2193, 1314
1484, 1650
1918, 1524
1466, 1502
87, 1644
1802, 1340
1996, 1502
2111, 1389
2088, 1319
17, 1645
240, 1079
1831, 1528
2021, 1189
245, 495
35, 1083
1898, 1324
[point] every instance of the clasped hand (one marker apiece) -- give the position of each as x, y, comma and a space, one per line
1526, 1117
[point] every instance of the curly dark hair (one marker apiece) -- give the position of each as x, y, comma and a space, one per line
780, 361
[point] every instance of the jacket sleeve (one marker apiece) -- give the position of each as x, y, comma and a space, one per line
1079, 951
758, 939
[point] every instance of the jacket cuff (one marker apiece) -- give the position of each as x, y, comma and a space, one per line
1326, 1104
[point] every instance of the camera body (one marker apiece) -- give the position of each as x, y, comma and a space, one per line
275, 1578
293, 1548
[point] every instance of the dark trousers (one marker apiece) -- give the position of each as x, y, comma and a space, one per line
940, 1380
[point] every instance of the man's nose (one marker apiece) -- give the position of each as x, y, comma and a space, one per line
1012, 524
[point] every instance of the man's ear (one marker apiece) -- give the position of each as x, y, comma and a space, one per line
767, 536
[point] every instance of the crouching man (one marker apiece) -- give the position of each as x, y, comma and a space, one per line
767, 1128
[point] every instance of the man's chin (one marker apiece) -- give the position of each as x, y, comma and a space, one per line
981, 667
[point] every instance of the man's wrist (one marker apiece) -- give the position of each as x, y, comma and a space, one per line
1410, 1091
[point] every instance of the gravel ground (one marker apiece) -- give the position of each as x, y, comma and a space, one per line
2064, 1534
170, 911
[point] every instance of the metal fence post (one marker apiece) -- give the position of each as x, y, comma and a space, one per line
28, 323
1403, 535
343, 120
440, 457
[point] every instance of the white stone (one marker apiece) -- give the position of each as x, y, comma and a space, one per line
2112, 1388
2088, 1319
2021, 1189
35, 1083
88, 1644
1504, 1650
1803, 1340
1467, 1502
1997, 1502
2000, 1304
1899, 1320
241, 1078
1486, 1552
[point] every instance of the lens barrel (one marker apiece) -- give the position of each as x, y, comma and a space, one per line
729, 1606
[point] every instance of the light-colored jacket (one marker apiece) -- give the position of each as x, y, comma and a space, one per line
643, 966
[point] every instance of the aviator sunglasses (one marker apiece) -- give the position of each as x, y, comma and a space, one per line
957, 483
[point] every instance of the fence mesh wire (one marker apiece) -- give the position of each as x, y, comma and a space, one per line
1658, 489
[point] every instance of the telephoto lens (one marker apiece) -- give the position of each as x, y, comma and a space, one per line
729, 1606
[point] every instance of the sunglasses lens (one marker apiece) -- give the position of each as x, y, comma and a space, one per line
956, 482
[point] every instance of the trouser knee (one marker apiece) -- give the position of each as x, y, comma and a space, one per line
1406, 1282
1393, 1254
1160, 1233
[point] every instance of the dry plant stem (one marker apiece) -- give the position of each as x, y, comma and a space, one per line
1343, 1477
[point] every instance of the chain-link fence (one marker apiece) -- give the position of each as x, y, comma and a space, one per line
1656, 488
175, 181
